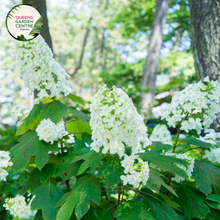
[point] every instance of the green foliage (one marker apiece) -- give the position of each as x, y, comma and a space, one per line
35, 111
192, 202
165, 162
133, 210
206, 176
196, 142
31, 145
55, 111
47, 202
155, 182
80, 115
86, 189
76, 98
112, 170
77, 127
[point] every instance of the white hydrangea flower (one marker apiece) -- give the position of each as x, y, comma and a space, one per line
187, 168
4, 163
213, 155
19, 208
3, 174
162, 134
115, 123
210, 137
135, 173
40, 70
19, 112
196, 106
71, 139
49, 131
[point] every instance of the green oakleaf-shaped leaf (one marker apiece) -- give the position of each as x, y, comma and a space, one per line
196, 142
155, 181
76, 98
170, 202
165, 162
92, 160
71, 169
33, 181
48, 171
23, 128
112, 169
214, 198
206, 175
77, 126
46, 198
159, 146
86, 189
35, 111
133, 210
31, 145
55, 111
161, 211
192, 202
80, 115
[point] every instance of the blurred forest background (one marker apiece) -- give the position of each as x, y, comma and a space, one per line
106, 42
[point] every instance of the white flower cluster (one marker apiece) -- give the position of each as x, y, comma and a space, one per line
115, 123
19, 112
49, 131
18, 207
4, 163
162, 134
196, 106
136, 172
187, 168
213, 155
210, 137
41, 71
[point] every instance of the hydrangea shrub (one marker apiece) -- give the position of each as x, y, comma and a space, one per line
105, 167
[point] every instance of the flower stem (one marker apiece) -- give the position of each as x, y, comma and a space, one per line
174, 148
119, 192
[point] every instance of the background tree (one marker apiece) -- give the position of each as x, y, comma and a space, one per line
153, 56
205, 35
41, 6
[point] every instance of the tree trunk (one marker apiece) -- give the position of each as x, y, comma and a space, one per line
41, 6
153, 57
176, 44
205, 36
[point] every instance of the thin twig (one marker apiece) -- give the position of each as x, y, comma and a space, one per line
119, 192
142, 192
108, 190
174, 148
72, 133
